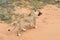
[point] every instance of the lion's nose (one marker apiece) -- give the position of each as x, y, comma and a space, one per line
39, 14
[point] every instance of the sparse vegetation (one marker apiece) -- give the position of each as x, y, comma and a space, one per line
37, 4
9, 6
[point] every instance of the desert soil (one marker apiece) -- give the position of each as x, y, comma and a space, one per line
48, 27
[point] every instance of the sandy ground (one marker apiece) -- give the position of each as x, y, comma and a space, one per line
48, 27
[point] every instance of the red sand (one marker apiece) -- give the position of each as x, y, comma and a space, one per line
48, 27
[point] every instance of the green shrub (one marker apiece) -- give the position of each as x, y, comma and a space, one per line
4, 17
